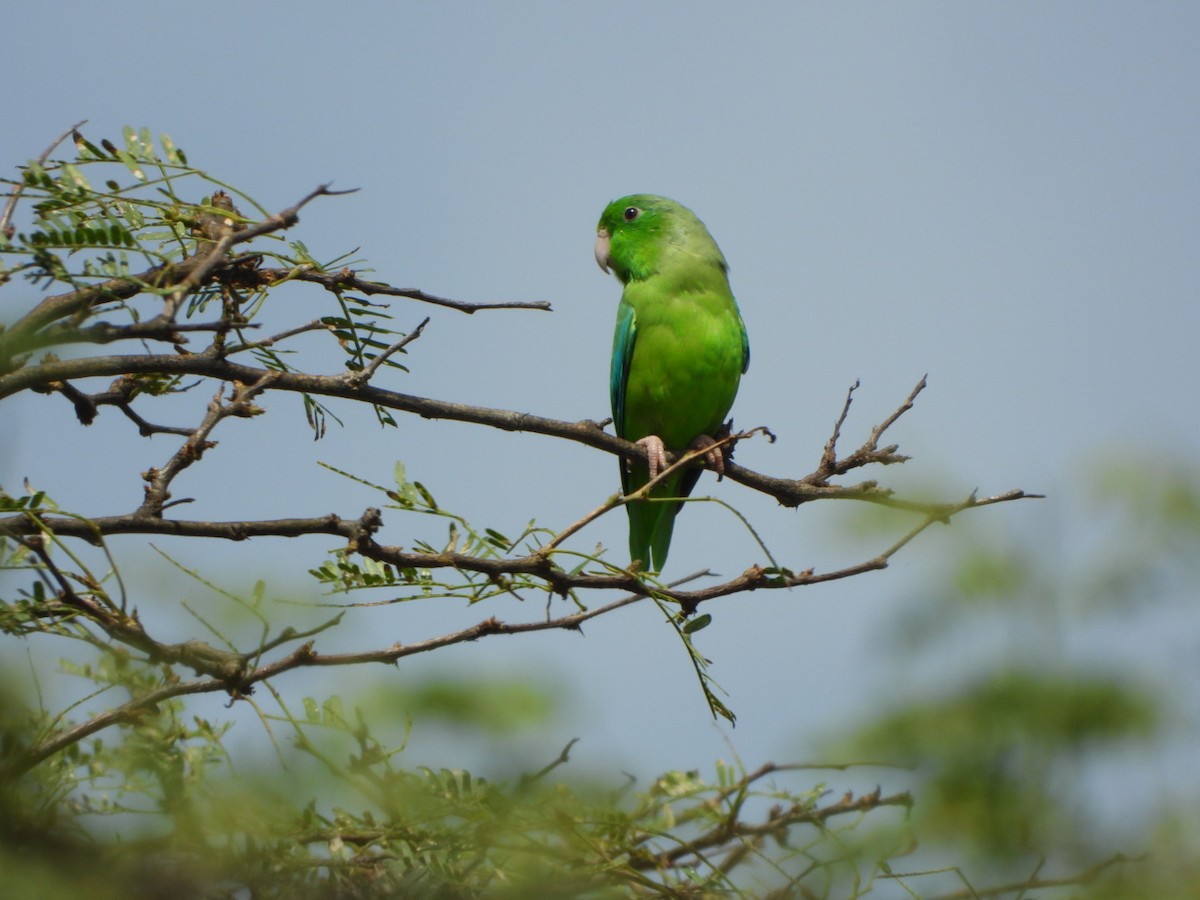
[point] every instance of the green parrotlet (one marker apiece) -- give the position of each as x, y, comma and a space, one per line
679, 351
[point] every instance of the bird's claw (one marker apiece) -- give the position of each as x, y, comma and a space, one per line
656, 454
713, 454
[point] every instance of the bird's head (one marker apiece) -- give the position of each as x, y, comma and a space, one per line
636, 234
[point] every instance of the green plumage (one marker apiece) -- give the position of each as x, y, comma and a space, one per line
679, 350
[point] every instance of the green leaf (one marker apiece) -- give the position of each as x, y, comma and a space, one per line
87, 147
425, 495
172, 152
312, 712
698, 623
76, 177
132, 164
496, 539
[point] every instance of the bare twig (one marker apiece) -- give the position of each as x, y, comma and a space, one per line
158, 481
358, 379
274, 339
869, 453
562, 759
346, 279
829, 455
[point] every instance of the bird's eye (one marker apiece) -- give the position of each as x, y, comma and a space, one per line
631, 213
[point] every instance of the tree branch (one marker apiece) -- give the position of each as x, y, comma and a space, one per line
347, 279
778, 820
789, 492
230, 672
159, 480
358, 379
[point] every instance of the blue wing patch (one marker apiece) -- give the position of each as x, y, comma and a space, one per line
622, 354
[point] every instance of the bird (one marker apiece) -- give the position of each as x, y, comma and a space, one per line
679, 352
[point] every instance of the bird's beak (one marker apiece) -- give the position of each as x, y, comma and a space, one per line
602, 246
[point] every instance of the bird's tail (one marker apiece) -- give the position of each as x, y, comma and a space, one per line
651, 522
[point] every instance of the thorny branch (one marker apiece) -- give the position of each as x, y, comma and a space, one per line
788, 491
63, 319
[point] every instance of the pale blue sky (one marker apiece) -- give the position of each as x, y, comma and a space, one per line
1005, 196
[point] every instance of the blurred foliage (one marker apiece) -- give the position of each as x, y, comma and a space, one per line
989, 753
1023, 744
162, 807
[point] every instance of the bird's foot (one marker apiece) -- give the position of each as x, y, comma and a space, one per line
714, 455
656, 454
